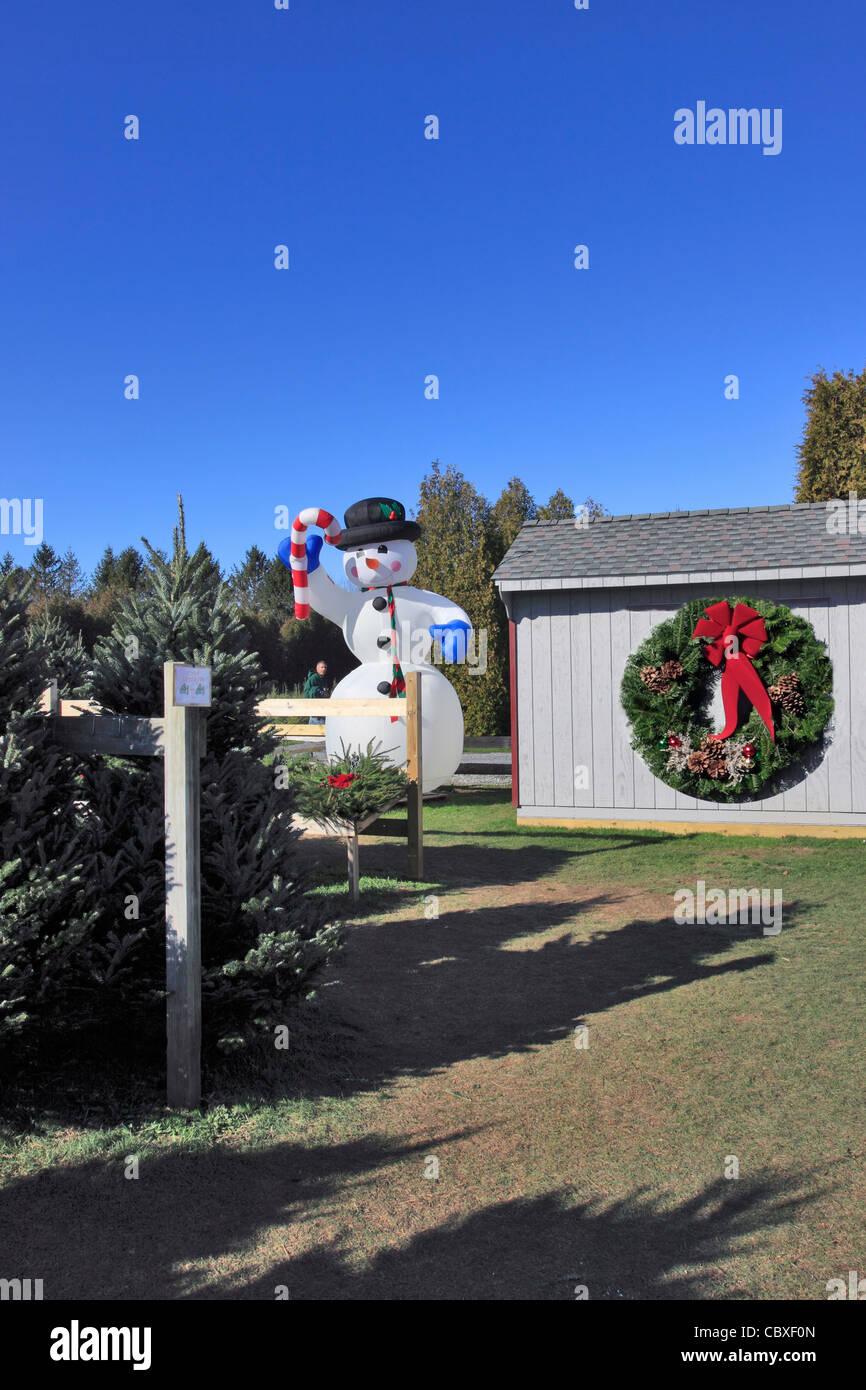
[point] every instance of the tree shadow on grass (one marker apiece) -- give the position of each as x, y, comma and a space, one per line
449, 865
548, 1248
228, 1224
418, 996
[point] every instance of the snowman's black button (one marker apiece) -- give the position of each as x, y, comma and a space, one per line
384, 687
384, 640
380, 603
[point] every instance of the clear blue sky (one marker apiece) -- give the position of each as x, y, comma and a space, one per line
409, 256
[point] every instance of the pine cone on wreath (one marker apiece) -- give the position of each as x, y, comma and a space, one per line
697, 762
653, 678
717, 759
710, 760
788, 692
660, 681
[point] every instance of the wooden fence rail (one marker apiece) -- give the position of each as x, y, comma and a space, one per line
179, 737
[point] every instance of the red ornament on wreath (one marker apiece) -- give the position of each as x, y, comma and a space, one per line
674, 742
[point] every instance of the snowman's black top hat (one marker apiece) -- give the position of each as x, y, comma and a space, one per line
376, 519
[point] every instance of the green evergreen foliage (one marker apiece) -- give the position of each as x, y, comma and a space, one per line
45, 912
307, 642
457, 554
71, 583
832, 455
247, 581
262, 939
82, 882
118, 573
44, 573
63, 656
286, 647
512, 508
463, 540
557, 508
375, 784
684, 709
516, 505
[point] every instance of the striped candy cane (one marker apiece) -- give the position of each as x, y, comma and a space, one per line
310, 516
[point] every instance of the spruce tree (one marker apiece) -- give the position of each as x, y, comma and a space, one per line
44, 573
45, 913
262, 938
61, 654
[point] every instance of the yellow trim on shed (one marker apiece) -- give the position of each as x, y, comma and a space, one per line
682, 827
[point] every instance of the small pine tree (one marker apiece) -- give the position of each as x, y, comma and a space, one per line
45, 917
62, 655
263, 940
44, 573
71, 582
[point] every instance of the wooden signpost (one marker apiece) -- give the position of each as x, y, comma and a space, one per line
180, 738
187, 693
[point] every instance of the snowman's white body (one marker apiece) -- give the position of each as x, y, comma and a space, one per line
367, 631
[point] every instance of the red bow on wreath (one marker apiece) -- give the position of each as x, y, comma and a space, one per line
341, 779
736, 636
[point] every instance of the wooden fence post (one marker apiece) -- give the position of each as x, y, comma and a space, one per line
352, 849
183, 747
414, 770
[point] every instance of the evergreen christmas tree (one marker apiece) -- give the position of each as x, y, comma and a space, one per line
262, 938
45, 913
61, 654
82, 873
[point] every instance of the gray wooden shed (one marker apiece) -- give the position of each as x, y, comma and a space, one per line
580, 598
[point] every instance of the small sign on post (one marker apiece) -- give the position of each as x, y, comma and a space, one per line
187, 690
191, 685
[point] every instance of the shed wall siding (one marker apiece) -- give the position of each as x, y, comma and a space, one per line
572, 647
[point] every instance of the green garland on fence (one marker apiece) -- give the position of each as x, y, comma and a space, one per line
667, 692
347, 788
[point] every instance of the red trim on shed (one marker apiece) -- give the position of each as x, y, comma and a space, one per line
512, 690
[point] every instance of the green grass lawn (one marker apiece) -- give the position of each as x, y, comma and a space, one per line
447, 1031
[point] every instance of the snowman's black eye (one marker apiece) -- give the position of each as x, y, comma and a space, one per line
383, 550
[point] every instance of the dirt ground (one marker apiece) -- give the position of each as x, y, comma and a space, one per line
461, 1142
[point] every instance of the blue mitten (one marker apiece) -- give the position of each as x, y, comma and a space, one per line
454, 637
314, 545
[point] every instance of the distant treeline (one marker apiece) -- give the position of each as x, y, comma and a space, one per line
464, 537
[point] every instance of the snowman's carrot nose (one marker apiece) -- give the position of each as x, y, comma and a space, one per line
372, 564
310, 516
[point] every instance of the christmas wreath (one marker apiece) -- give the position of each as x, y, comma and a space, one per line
776, 682
347, 788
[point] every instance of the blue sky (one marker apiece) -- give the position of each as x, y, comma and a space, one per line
408, 256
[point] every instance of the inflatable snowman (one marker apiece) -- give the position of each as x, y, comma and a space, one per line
389, 626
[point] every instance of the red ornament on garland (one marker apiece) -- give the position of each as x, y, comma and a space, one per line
342, 779
749, 750
674, 742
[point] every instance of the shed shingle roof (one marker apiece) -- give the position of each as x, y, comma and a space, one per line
657, 543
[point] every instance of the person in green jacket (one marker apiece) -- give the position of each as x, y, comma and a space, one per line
316, 687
